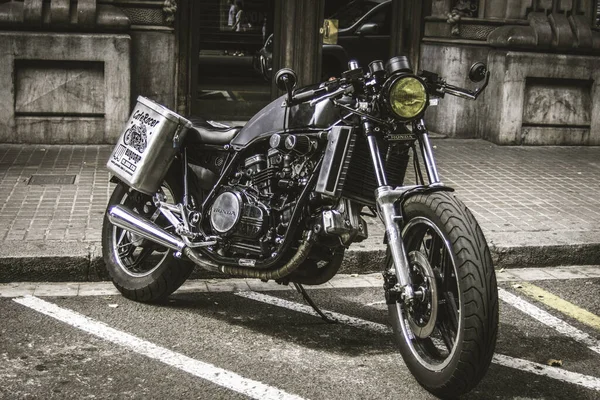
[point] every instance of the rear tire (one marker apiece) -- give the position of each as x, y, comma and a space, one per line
141, 270
447, 337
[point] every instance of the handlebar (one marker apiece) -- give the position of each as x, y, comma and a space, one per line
439, 87
320, 94
466, 93
436, 86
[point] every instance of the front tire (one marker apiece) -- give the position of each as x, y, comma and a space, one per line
448, 335
141, 270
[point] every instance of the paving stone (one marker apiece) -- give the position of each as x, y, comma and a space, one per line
531, 274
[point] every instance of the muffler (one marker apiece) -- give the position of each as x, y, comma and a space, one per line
135, 223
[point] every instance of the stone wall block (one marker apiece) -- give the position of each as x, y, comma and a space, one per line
153, 67
60, 12
11, 13
32, 12
563, 37
584, 6
495, 9
565, 5
545, 5
543, 29
517, 9
63, 88
558, 104
54, 15
454, 116
582, 31
441, 8
86, 12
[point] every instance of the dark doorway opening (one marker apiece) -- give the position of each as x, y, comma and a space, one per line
227, 83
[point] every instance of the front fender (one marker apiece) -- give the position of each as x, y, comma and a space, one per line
399, 203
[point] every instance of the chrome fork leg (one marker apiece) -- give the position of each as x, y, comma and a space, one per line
386, 198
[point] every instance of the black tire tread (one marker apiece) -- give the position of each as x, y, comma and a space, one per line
478, 290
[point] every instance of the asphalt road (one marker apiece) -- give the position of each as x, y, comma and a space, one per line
190, 346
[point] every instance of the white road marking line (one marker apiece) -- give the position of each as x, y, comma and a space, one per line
376, 303
209, 372
589, 382
17, 289
550, 320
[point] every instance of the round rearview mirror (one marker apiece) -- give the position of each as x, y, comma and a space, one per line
286, 79
478, 72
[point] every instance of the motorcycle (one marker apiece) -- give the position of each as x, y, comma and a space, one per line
283, 197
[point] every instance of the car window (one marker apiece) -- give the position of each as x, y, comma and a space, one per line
354, 11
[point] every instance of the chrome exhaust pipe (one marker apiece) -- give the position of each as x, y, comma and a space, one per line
135, 223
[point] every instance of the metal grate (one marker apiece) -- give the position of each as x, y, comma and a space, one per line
52, 180
598, 13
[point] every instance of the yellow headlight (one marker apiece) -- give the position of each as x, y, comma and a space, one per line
408, 97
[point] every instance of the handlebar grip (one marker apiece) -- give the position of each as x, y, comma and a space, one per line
309, 94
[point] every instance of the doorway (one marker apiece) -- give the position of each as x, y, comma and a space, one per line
228, 77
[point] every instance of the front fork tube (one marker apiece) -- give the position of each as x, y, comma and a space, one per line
387, 198
427, 152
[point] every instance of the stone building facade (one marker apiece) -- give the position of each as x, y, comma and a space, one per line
70, 70
544, 56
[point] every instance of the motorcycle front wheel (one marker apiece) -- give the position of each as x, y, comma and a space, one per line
447, 336
140, 269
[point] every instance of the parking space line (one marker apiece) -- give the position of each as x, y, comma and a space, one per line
209, 372
589, 382
550, 320
16, 289
559, 304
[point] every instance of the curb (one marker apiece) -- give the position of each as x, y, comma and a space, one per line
82, 262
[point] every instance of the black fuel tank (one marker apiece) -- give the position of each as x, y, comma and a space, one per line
270, 119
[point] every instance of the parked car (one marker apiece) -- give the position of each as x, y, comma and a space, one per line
364, 35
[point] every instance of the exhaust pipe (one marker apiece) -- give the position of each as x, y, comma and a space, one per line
135, 223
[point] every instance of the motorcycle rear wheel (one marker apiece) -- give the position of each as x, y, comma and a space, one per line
141, 270
448, 336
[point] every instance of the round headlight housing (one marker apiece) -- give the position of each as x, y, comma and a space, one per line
406, 96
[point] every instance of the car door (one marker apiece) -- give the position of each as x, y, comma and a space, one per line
369, 38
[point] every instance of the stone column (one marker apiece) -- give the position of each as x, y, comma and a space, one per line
406, 35
298, 39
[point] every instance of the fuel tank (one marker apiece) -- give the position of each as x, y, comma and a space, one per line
272, 119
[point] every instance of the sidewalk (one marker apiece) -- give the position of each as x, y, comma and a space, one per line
538, 206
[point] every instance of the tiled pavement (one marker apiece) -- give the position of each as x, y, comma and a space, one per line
533, 196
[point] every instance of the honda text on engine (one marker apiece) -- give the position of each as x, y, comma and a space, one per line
283, 197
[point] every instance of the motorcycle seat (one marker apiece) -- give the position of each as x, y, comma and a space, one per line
208, 132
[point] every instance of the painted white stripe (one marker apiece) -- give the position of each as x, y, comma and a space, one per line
589, 382
345, 319
219, 376
550, 320
17, 289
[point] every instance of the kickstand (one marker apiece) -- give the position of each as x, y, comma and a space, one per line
302, 291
